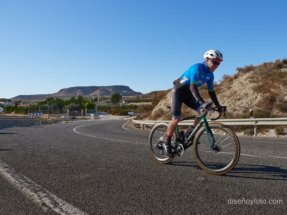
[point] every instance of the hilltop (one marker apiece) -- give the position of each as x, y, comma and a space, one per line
262, 88
89, 91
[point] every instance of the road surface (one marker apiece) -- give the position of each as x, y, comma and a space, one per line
104, 167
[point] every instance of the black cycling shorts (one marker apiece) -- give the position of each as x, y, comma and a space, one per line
179, 96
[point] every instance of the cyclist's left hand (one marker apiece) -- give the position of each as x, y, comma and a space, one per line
219, 108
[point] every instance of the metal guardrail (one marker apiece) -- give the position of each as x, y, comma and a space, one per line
239, 122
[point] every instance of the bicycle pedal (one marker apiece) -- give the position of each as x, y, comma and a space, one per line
179, 150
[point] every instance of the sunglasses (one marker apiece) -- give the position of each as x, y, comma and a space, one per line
215, 62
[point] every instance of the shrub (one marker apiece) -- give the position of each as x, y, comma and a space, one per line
117, 109
227, 78
262, 113
282, 106
247, 69
266, 104
280, 131
249, 131
144, 110
278, 64
9, 109
116, 98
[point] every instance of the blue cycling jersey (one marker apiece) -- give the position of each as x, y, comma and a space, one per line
197, 74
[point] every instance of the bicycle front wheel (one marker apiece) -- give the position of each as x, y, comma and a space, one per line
222, 156
156, 142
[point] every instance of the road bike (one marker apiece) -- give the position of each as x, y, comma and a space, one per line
216, 148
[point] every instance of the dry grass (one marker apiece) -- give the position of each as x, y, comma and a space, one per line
159, 114
158, 96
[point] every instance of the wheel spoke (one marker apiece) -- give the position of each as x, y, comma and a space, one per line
218, 161
156, 141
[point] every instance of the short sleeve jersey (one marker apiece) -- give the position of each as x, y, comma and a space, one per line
198, 74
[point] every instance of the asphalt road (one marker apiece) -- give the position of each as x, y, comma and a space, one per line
99, 167
11, 121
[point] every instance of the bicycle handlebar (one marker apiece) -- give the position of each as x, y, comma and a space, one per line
209, 107
222, 111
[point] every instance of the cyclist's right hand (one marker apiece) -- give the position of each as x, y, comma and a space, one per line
203, 106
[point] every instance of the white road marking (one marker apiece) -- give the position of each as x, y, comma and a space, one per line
42, 197
262, 156
124, 126
102, 138
131, 142
249, 155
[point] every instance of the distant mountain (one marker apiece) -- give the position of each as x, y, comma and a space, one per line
90, 91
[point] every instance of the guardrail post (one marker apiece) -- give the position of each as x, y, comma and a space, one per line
255, 130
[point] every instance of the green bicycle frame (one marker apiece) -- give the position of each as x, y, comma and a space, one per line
177, 131
203, 121
211, 139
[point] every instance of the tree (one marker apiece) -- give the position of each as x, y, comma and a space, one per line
89, 105
116, 98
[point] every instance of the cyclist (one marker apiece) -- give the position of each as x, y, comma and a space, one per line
185, 91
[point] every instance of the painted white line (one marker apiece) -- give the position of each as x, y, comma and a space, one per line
42, 197
262, 156
131, 142
124, 126
278, 157
254, 156
101, 138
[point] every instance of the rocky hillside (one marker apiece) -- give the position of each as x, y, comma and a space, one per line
91, 91
262, 88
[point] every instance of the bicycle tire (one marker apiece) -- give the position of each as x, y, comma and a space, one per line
155, 143
227, 153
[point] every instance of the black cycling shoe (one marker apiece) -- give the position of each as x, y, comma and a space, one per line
167, 147
169, 151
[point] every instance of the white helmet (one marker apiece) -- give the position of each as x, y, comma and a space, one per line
213, 54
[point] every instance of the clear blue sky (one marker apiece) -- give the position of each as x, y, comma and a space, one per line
47, 45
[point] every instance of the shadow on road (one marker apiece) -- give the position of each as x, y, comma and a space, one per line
259, 172
5, 150
248, 171
184, 164
1, 133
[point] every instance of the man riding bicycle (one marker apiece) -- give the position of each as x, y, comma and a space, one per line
185, 91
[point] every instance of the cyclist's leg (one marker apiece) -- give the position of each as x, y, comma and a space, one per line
176, 112
190, 102
176, 104
171, 126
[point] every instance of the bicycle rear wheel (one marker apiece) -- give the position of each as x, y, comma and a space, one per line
156, 141
221, 158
